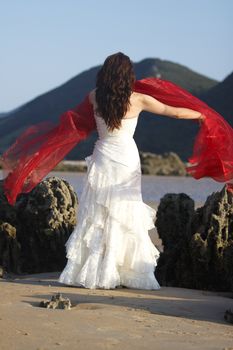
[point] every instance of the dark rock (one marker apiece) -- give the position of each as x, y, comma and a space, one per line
9, 249
1, 272
179, 208
57, 302
166, 164
43, 220
212, 242
198, 245
8, 213
173, 220
228, 316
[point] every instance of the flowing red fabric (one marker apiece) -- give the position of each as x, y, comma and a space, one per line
213, 145
42, 146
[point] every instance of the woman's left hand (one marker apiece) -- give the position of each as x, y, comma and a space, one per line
201, 119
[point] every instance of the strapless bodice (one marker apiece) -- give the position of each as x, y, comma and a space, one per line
127, 129
118, 144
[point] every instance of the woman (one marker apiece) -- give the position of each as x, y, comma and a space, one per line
110, 246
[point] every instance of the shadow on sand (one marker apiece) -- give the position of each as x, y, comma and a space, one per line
168, 301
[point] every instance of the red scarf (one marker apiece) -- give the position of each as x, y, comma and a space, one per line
42, 146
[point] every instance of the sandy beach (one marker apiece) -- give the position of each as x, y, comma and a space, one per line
121, 318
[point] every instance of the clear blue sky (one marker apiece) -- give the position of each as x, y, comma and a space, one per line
44, 43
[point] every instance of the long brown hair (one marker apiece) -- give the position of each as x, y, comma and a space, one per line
114, 85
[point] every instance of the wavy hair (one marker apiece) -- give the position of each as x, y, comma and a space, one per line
114, 85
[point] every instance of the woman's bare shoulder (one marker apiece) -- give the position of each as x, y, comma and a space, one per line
138, 99
136, 94
140, 96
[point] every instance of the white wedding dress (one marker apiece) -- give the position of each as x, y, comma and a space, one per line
110, 246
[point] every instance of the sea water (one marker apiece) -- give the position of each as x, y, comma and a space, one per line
155, 187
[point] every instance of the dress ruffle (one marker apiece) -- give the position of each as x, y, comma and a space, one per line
111, 246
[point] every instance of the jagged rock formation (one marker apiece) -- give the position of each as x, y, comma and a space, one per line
198, 245
228, 316
165, 164
9, 248
57, 302
34, 231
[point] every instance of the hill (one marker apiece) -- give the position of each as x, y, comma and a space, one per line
153, 134
220, 97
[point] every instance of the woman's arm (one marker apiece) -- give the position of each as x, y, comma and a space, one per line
150, 104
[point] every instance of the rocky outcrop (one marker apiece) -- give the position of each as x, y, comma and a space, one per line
166, 164
198, 245
151, 164
228, 316
79, 166
34, 231
56, 302
9, 249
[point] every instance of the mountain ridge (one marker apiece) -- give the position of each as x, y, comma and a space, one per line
153, 133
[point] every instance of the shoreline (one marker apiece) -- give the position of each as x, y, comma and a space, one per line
154, 187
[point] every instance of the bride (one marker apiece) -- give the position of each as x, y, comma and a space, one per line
110, 246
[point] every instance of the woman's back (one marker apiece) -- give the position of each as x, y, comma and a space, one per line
128, 122
135, 106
